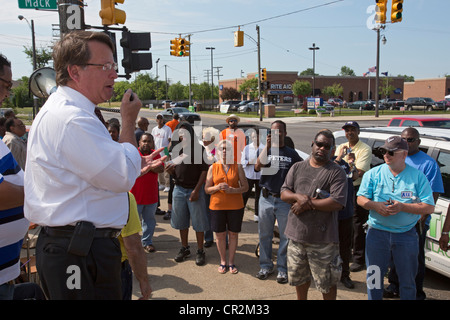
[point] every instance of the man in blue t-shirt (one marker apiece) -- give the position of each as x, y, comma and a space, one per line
274, 163
396, 195
426, 164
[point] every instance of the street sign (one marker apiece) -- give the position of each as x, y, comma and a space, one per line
38, 4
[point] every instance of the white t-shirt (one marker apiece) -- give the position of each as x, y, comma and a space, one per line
162, 137
75, 171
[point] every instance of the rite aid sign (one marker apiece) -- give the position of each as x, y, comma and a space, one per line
278, 88
38, 4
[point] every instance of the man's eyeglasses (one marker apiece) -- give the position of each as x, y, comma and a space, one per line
105, 67
232, 120
323, 145
9, 84
411, 139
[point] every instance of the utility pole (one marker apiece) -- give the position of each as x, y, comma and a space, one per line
377, 79
314, 48
259, 74
190, 79
212, 77
165, 68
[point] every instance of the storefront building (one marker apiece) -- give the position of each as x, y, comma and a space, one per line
278, 89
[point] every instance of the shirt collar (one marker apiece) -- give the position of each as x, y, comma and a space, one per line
82, 101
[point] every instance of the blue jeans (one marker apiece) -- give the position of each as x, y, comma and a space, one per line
272, 208
147, 212
403, 248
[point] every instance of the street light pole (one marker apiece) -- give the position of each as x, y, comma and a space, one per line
377, 78
259, 75
314, 48
212, 77
33, 41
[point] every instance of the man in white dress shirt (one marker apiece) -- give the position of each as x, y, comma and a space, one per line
77, 177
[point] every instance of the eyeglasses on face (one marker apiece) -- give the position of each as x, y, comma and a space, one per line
105, 67
411, 139
8, 83
319, 145
232, 120
391, 153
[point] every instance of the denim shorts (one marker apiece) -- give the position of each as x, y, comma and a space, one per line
184, 210
319, 260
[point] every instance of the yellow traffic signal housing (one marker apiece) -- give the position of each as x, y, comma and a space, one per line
263, 75
187, 47
396, 11
174, 47
238, 38
381, 8
181, 47
111, 15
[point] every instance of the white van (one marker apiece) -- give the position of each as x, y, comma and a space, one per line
436, 143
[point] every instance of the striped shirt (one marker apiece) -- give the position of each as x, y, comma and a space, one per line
13, 225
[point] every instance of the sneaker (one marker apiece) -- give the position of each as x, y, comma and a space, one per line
263, 274
200, 259
183, 254
161, 187
166, 189
160, 212
168, 215
282, 277
255, 218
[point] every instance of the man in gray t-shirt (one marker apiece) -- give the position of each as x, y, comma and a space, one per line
313, 219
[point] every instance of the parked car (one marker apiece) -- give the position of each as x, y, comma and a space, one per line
166, 102
251, 107
229, 106
184, 113
335, 102
420, 121
361, 105
392, 104
436, 143
420, 103
444, 103
184, 104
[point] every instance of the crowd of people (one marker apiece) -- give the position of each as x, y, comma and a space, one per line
93, 188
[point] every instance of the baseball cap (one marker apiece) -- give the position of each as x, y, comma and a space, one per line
159, 115
351, 124
395, 143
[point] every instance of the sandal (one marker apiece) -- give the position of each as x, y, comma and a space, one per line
222, 268
149, 248
233, 269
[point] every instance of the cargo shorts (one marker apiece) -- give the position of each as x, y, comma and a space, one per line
321, 261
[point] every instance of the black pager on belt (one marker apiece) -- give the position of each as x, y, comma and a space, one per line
81, 240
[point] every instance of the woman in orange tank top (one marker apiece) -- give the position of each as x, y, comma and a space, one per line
225, 183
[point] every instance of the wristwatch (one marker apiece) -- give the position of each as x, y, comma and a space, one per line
445, 232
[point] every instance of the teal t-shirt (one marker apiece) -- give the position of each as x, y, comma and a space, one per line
379, 184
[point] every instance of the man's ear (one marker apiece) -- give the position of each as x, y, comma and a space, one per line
73, 71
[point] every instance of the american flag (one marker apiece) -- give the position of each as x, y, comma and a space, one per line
373, 69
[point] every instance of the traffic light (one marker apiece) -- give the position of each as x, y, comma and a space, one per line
263, 75
187, 48
380, 15
135, 61
179, 47
111, 15
396, 11
174, 47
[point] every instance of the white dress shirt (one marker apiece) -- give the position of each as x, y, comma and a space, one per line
75, 171
248, 160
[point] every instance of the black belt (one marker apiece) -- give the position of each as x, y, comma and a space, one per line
67, 232
267, 192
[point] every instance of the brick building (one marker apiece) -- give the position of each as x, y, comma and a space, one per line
436, 88
279, 89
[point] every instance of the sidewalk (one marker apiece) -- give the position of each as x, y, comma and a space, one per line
187, 281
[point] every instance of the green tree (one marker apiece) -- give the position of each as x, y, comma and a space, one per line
346, 71
386, 88
406, 77
176, 92
308, 72
301, 88
250, 87
43, 56
335, 90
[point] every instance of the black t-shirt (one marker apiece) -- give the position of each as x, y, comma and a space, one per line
187, 174
273, 175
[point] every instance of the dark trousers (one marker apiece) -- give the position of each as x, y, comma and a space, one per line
65, 276
246, 195
359, 233
345, 244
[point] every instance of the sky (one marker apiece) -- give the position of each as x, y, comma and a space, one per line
342, 29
